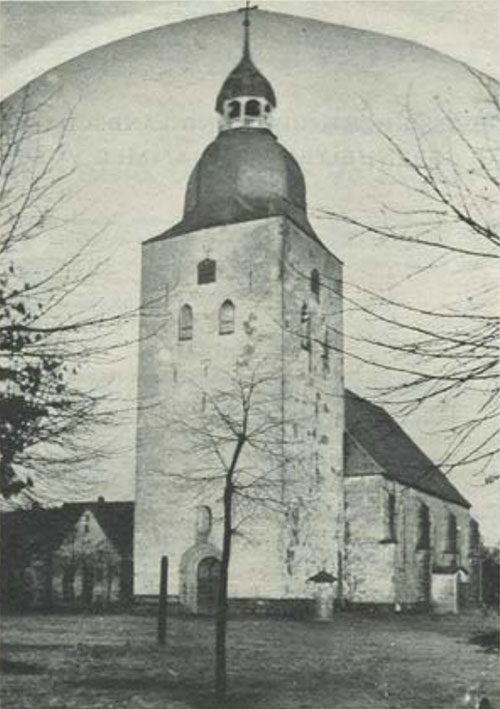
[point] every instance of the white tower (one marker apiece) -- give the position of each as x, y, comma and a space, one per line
241, 281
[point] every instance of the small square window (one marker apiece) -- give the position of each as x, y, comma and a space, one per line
206, 271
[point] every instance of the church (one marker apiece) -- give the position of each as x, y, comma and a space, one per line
330, 487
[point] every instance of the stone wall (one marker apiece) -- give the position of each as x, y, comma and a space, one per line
293, 534
395, 565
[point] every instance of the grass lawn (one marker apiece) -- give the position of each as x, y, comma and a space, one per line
394, 662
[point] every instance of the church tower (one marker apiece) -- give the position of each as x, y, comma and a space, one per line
240, 287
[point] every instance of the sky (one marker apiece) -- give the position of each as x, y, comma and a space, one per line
37, 35
144, 113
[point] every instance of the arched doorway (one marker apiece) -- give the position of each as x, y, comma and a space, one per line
207, 584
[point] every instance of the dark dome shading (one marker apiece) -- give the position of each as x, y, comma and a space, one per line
245, 174
245, 80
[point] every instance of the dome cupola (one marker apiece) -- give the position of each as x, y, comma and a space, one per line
246, 98
245, 173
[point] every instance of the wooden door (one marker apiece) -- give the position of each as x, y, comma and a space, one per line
208, 582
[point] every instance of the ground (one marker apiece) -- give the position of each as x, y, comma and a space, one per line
358, 661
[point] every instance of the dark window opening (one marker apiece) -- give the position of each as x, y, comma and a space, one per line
206, 271
452, 535
186, 323
424, 528
474, 537
390, 512
325, 354
315, 283
305, 328
234, 109
226, 318
252, 108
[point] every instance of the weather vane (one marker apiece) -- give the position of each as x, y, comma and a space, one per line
246, 24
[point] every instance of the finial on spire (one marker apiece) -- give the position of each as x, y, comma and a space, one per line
246, 24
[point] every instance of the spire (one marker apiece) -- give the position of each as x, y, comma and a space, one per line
246, 97
246, 27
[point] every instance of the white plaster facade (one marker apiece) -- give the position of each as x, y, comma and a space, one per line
264, 268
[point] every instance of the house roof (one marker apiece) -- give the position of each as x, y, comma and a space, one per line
44, 530
394, 451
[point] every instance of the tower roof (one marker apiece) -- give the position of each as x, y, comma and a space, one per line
245, 79
243, 175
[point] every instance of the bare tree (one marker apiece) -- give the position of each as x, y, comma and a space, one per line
447, 179
47, 415
239, 441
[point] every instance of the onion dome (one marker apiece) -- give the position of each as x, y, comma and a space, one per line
244, 174
245, 80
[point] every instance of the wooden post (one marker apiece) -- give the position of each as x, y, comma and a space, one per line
162, 604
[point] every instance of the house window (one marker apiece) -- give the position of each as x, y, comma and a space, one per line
226, 318
206, 271
315, 283
186, 323
452, 535
305, 328
423, 528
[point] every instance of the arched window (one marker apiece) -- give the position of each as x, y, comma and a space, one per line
206, 271
474, 537
390, 511
315, 283
452, 534
234, 109
305, 328
424, 528
252, 108
186, 323
226, 318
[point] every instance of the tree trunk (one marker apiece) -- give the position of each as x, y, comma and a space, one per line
221, 616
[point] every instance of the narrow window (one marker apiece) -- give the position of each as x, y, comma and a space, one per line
474, 537
206, 271
234, 109
315, 283
325, 354
252, 108
391, 517
424, 528
452, 534
226, 318
305, 328
186, 323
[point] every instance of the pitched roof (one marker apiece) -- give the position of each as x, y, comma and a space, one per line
44, 530
394, 451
